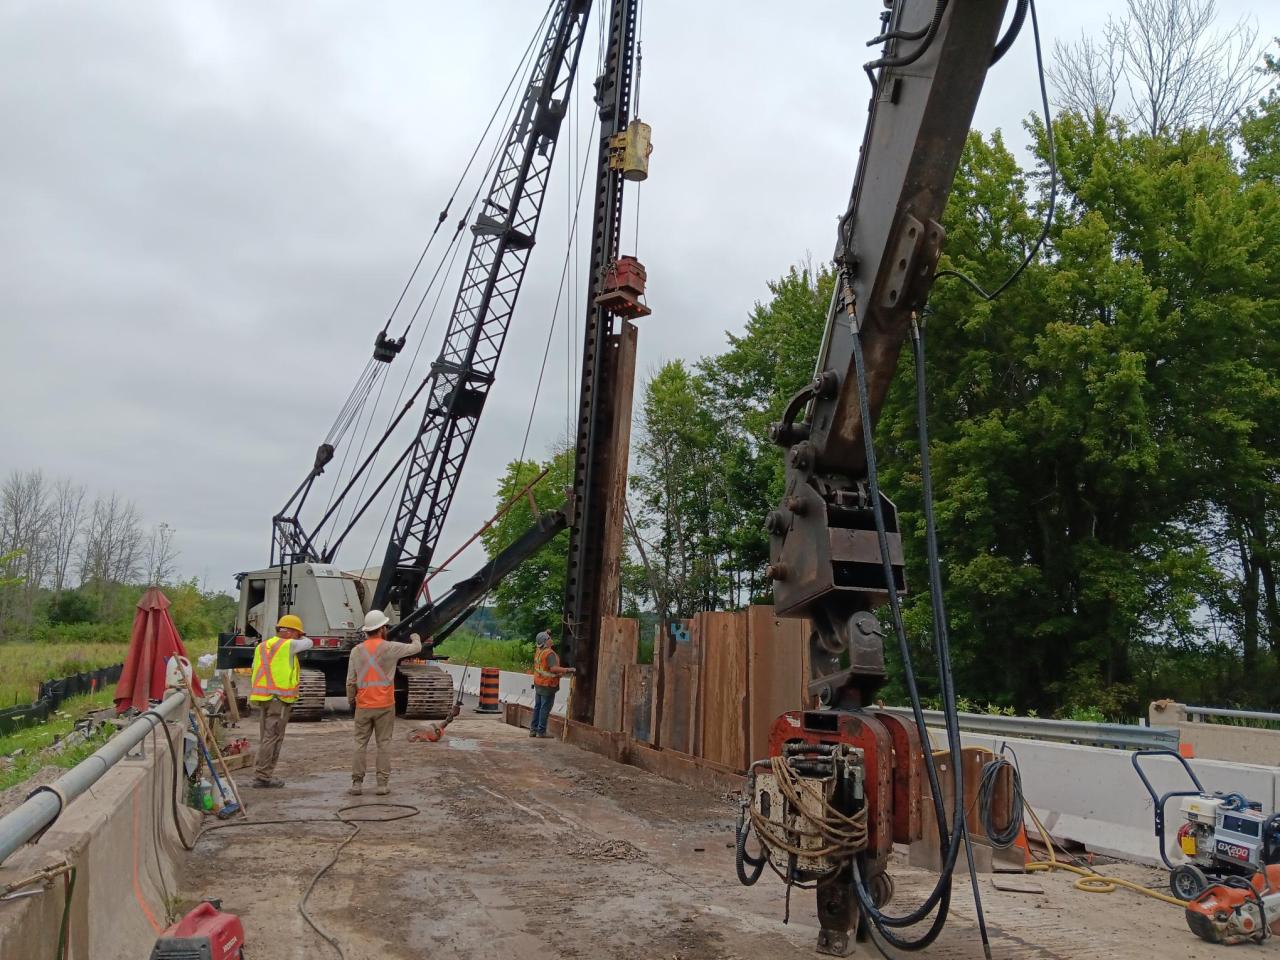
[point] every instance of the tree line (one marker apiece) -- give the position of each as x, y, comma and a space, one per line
63, 554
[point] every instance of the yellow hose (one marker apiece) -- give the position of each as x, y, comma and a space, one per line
1091, 882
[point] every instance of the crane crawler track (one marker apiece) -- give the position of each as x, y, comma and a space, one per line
429, 692
310, 704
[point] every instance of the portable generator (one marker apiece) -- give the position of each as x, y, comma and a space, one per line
1223, 835
206, 933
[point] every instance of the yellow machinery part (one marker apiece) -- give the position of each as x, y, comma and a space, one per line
630, 149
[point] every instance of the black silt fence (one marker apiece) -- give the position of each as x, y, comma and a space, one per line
53, 693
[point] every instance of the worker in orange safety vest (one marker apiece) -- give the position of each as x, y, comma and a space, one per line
546, 681
371, 692
274, 678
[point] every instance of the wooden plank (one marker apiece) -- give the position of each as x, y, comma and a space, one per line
723, 715
679, 690
229, 691
777, 656
660, 643
638, 711
619, 642
668, 764
682, 768
614, 533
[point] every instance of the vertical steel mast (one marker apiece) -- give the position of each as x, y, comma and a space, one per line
458, 385
593, 446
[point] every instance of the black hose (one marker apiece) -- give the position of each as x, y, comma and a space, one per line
909, 34
1053, 183
950, 841
1001, 838
908, 58
407, 810
742, 859
1010, 35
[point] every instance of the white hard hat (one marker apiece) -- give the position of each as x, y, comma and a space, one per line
373, 620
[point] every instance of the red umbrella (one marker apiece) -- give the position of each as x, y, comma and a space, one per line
154, 639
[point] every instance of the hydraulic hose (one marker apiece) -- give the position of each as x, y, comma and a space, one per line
1010, 35
941, 894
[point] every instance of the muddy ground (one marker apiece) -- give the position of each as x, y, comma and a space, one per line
534, 849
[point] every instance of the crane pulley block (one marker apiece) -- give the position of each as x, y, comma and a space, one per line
629, 150
622, 288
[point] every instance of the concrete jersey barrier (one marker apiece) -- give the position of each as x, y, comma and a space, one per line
1092, 795
512, 687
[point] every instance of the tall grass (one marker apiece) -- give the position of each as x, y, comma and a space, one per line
24, 666
467, 649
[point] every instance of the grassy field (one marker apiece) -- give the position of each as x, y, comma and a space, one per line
24, 666
467, 649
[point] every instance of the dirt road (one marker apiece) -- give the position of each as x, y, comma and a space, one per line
533, 849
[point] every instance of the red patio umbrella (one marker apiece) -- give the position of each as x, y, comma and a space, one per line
154, 639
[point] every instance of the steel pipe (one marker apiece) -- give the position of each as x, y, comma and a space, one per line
46, 803
1122, 735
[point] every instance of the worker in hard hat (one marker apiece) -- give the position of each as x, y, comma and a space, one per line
546, 681
275, 676
371, 691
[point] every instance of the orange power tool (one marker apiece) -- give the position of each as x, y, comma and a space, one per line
1238, 910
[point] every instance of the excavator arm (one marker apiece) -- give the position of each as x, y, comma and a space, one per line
824, 549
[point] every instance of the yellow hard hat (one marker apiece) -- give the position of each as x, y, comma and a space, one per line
290, 621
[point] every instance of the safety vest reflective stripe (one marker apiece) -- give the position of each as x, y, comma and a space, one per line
274, 678
542, 675
370, 673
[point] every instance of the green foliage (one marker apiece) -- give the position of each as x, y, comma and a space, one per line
706, 468
71, 606
1103, 436
466, 648
531, 598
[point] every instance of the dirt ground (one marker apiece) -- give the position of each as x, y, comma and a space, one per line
538, 850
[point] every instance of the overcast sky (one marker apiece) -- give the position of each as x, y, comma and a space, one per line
208, 208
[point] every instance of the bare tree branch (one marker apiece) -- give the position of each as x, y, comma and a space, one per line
1162, 67
162, 555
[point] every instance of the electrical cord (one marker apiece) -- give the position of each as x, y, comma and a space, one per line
1001, 837
1053, 180
407, 810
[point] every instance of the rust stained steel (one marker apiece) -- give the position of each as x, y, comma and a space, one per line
594, 446
908, 764
866, 733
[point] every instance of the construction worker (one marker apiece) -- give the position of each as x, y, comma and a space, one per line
371, 692
546, 681
274, 679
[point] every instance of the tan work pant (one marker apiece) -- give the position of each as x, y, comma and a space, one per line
273, 717
379, 722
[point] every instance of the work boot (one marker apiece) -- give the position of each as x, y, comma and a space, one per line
532, 732
356, 788
264, 782
543, 735
382, 790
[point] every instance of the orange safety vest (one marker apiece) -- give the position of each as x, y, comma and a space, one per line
542, 675
374, 689
275, 672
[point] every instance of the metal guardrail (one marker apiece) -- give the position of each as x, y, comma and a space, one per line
46, 803
1122, 735
1238, 714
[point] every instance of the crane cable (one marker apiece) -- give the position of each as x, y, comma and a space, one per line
444, 213
445, 268
374, 370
